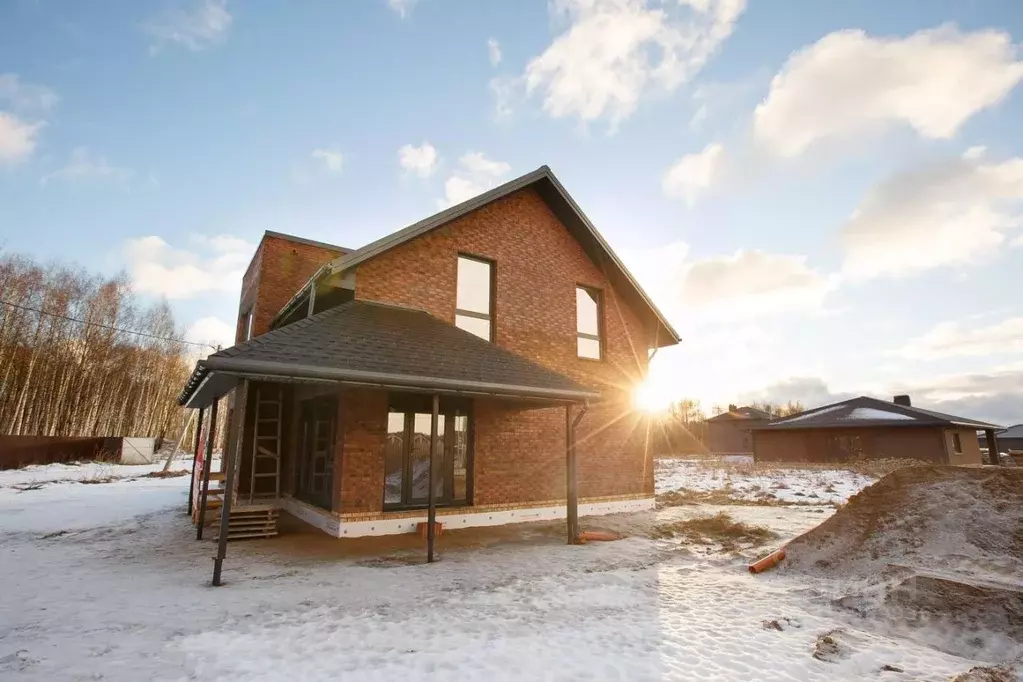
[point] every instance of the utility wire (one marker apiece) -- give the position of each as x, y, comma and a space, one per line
106, 326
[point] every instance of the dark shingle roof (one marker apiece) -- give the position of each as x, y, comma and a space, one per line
380, 344
1012, 432
866, 412
742, 413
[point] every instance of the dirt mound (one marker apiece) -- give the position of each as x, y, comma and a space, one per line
935, 550
953, 518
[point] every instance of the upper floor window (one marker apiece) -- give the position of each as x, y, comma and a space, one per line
474, 298
588, 317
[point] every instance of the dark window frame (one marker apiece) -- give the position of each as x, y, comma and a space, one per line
492, 316
409, 404
600, 336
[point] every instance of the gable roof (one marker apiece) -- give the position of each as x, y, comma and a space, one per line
865, 412
564, 208
742, 414
360, 342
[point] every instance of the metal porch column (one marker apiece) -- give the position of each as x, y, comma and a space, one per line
205, 491
431, 498
195, 456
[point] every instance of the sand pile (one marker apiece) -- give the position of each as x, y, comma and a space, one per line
929, 548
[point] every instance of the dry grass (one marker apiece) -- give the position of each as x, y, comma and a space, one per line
720, 529
724, 496
173, 473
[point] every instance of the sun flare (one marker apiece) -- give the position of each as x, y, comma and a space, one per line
652, 397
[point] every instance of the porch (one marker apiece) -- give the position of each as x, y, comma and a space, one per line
357, 444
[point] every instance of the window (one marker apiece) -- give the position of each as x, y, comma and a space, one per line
588, 323
474, 299
407, 454
957, 444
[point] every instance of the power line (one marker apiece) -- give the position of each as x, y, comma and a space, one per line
106, 326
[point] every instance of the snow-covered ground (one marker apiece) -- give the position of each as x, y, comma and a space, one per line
758, 483
124, 595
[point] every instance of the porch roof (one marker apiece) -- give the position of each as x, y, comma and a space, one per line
374, 344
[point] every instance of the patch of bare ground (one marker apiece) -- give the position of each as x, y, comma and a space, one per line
173, 473
719, 529
983, 673
724, 496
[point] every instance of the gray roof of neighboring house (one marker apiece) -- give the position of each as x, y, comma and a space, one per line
1012, 432
742, 413
865, 412
566, 210
360, 342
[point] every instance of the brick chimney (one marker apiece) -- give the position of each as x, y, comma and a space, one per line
902, 400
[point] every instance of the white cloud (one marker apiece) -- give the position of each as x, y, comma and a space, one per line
615, 52
956, 339
475, 174
216, 265
753, 283
494, 51
212, 331
203, 26
330, 159
848, 83
84, 167
17, 138
421, 160
955, 212
693, 174
402, 8
23, 96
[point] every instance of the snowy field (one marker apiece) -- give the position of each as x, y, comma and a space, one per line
106, 581
759, 483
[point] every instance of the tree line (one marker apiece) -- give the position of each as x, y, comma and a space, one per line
80, 355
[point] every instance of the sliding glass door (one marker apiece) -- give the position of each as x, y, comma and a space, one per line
407, 458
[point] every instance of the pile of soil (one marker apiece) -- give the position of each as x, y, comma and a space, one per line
929, 548
953, 518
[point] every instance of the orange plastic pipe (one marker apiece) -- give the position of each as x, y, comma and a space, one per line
588, 535
769, 561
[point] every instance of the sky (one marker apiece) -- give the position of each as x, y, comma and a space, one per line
824, 198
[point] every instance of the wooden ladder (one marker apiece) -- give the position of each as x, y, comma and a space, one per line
252, 521
266, 441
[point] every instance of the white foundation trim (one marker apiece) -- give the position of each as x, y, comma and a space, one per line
319, 518
385, 526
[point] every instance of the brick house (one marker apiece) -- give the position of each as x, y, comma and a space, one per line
730, 432
868, 428
505, 326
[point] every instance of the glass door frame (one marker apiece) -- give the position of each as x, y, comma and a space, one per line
310, 411
409, 405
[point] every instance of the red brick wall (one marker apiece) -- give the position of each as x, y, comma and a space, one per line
364, 425
519, 454
278, 270
816, 445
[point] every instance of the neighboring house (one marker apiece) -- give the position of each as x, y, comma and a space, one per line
731, 432
506, 318
868, 428
1009, 439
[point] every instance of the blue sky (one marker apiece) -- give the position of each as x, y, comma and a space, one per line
824, 197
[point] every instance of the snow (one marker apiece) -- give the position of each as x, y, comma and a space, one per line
872, 413
125, 596
792, 485
808, 415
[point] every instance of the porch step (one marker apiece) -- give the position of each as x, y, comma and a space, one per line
247, 523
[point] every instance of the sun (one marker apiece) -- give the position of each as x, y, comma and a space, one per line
651, 397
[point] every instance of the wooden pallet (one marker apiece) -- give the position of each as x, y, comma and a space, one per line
256, 521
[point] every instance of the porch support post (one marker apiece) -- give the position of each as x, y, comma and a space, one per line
231, 456
204, 492
431, 501
571, 489
992, 446
195, 457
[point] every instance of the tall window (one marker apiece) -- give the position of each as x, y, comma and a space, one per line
588, 323
407, 455
474, 302
957, 444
